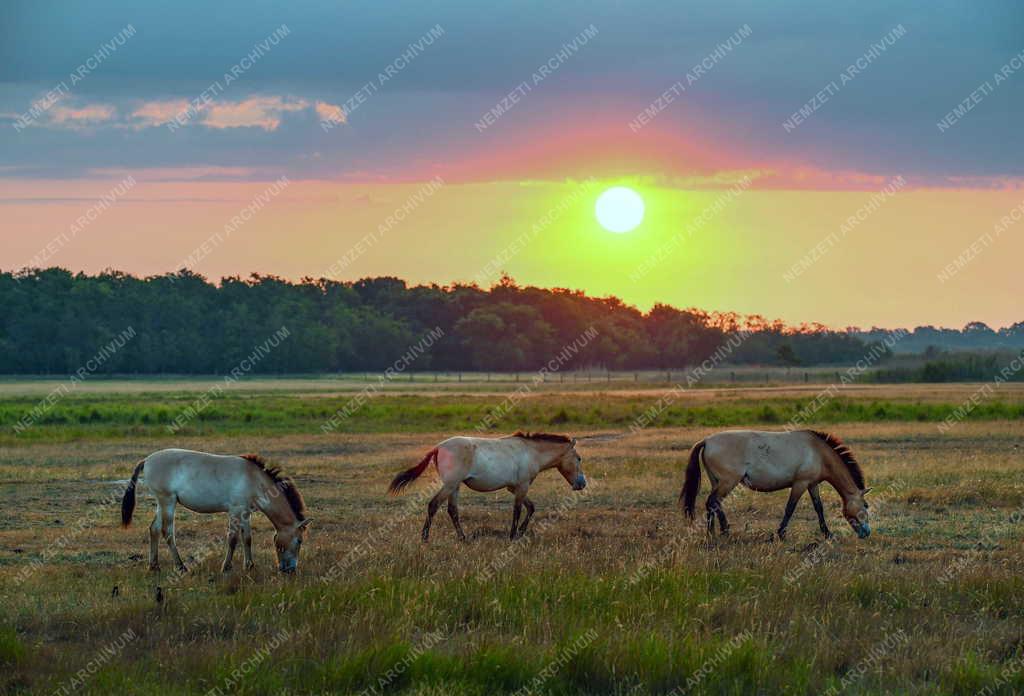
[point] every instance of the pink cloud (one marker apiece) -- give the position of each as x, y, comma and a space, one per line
81, 117
196, 173
265, 112
260, 112
330, 112
159, 112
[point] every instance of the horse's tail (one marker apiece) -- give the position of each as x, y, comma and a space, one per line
128, 501
691, 486
411, 474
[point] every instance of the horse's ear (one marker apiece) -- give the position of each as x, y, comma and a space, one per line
866, 491
573, 443
304, 523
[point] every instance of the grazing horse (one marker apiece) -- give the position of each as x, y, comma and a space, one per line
488, 464
770, 461
237, 485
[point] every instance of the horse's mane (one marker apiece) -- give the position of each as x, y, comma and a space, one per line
546, 437
845, 455
283, 484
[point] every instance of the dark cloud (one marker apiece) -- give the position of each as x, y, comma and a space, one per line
884, 121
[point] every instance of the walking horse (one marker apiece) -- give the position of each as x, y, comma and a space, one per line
489, 464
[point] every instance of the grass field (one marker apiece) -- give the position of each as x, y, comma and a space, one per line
40, 411
612, 592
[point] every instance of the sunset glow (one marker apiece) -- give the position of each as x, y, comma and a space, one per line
727, 205
619, 209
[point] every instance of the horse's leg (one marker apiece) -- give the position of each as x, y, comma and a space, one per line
432, 507
168, 528
722, 489
234, 525
713, 506
247, 539
794, 495
723, 479
529, 513
517, 510
820, 509
453, 512
155, 531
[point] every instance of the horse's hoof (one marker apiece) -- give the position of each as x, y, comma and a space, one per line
154, 568
226, 569
182, 569
249, 566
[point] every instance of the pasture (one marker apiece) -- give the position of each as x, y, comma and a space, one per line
612, 591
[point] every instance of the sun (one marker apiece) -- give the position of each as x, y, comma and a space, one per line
619, 209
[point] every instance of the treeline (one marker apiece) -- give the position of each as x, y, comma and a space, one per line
932, 340
56, 322
998, 366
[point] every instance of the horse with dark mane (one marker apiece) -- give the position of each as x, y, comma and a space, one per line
488, 464
769, 461
237, 485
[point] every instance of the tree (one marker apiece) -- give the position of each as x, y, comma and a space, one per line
786, 355
53, 322
506, 337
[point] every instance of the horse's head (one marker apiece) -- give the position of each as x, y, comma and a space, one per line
570, 465
855, 510
288, 543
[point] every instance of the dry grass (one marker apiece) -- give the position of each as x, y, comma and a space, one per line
490, 616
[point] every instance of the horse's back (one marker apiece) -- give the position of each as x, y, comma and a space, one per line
161, 465
734, 439
473, 447
171, 458
766, 460
184, 473
484, 463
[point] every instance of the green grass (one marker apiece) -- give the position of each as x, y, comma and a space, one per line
148, 415
619, 595
735, 634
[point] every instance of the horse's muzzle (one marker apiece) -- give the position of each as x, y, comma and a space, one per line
580, 483
864, 530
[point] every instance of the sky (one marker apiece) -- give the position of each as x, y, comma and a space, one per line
815, 162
